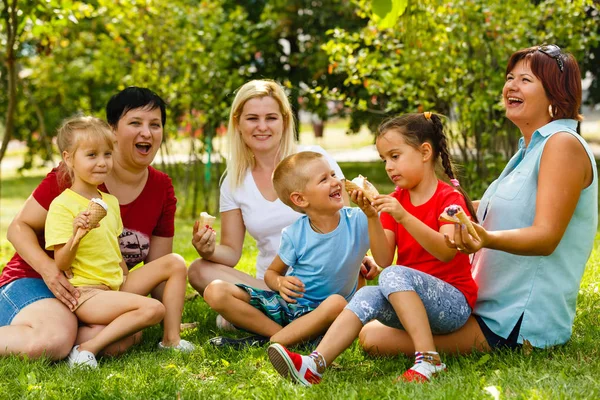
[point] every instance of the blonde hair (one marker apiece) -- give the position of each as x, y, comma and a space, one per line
81, 129
290, 176
240, 157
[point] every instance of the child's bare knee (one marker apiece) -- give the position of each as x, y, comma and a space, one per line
154, 311
336, 303
180, 269
176, 263
365, 339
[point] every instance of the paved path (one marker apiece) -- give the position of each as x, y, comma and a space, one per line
363, 154
369, 153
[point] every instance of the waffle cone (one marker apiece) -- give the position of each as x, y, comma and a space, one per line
97, 212
464, 219
361, 183
461, 218
206, 219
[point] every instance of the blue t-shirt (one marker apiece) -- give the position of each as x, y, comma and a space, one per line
326, 263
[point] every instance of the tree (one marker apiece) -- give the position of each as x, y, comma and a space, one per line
591, 61
450, 58
32, 30
10, 17
288, 38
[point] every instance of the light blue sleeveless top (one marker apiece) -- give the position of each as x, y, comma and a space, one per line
541, 288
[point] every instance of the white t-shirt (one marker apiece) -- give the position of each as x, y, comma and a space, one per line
264, 219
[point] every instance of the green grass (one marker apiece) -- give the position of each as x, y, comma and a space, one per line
570, 371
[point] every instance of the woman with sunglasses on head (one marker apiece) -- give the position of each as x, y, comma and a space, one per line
538, 220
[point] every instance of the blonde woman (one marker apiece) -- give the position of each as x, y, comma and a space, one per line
260, 134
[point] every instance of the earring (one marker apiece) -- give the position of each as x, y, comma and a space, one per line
551, 111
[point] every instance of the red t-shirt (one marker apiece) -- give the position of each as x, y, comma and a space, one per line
152, 213
411, 254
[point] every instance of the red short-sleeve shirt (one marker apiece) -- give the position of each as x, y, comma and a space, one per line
152, 213
411, 254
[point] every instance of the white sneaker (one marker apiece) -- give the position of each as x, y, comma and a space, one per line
225, 325
183, 346
83, 358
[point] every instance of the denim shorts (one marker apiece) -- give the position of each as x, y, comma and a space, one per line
498, 342
18, 294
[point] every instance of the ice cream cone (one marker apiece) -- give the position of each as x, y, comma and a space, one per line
206, 219
455, 213
98, 210
361, 183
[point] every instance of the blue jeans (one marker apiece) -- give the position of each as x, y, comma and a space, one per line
20, 293
446, 307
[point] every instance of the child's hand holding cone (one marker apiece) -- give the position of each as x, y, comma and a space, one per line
96, 210
362, 184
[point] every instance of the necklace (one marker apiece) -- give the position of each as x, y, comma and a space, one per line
315, 228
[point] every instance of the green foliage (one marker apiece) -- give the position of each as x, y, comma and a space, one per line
377, 57
591, 61
288, 36
449, 57
387, 12
75, 55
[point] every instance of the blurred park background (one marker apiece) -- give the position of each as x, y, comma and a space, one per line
347, 64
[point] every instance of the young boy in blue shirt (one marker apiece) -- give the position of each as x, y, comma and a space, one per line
316, 270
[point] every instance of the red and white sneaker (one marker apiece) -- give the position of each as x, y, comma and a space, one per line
300, 369
423, 372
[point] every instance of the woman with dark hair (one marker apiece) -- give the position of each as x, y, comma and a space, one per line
538, 220
35, 296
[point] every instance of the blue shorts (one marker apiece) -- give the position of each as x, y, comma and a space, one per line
18, 294
498, 342
275, 307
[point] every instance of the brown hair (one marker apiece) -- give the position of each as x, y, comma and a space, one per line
290, 176
417, 129
562, 88
73, 132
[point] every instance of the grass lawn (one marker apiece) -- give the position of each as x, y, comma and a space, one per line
570, 371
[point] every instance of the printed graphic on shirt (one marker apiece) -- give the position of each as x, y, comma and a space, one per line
134, 246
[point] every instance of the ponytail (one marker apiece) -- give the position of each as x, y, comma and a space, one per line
447, 164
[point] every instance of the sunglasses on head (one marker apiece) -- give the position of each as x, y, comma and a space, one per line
552, 50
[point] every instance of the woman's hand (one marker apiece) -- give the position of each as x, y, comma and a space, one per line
59, 285
389, 204
204, 240
290, 287
464, 242
361, 201
369, 268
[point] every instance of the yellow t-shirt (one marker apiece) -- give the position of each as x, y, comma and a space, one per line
98, 256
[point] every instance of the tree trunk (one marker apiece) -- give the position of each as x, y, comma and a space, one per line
46, 142
12, 24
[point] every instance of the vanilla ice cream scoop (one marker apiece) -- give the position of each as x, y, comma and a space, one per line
361, 183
